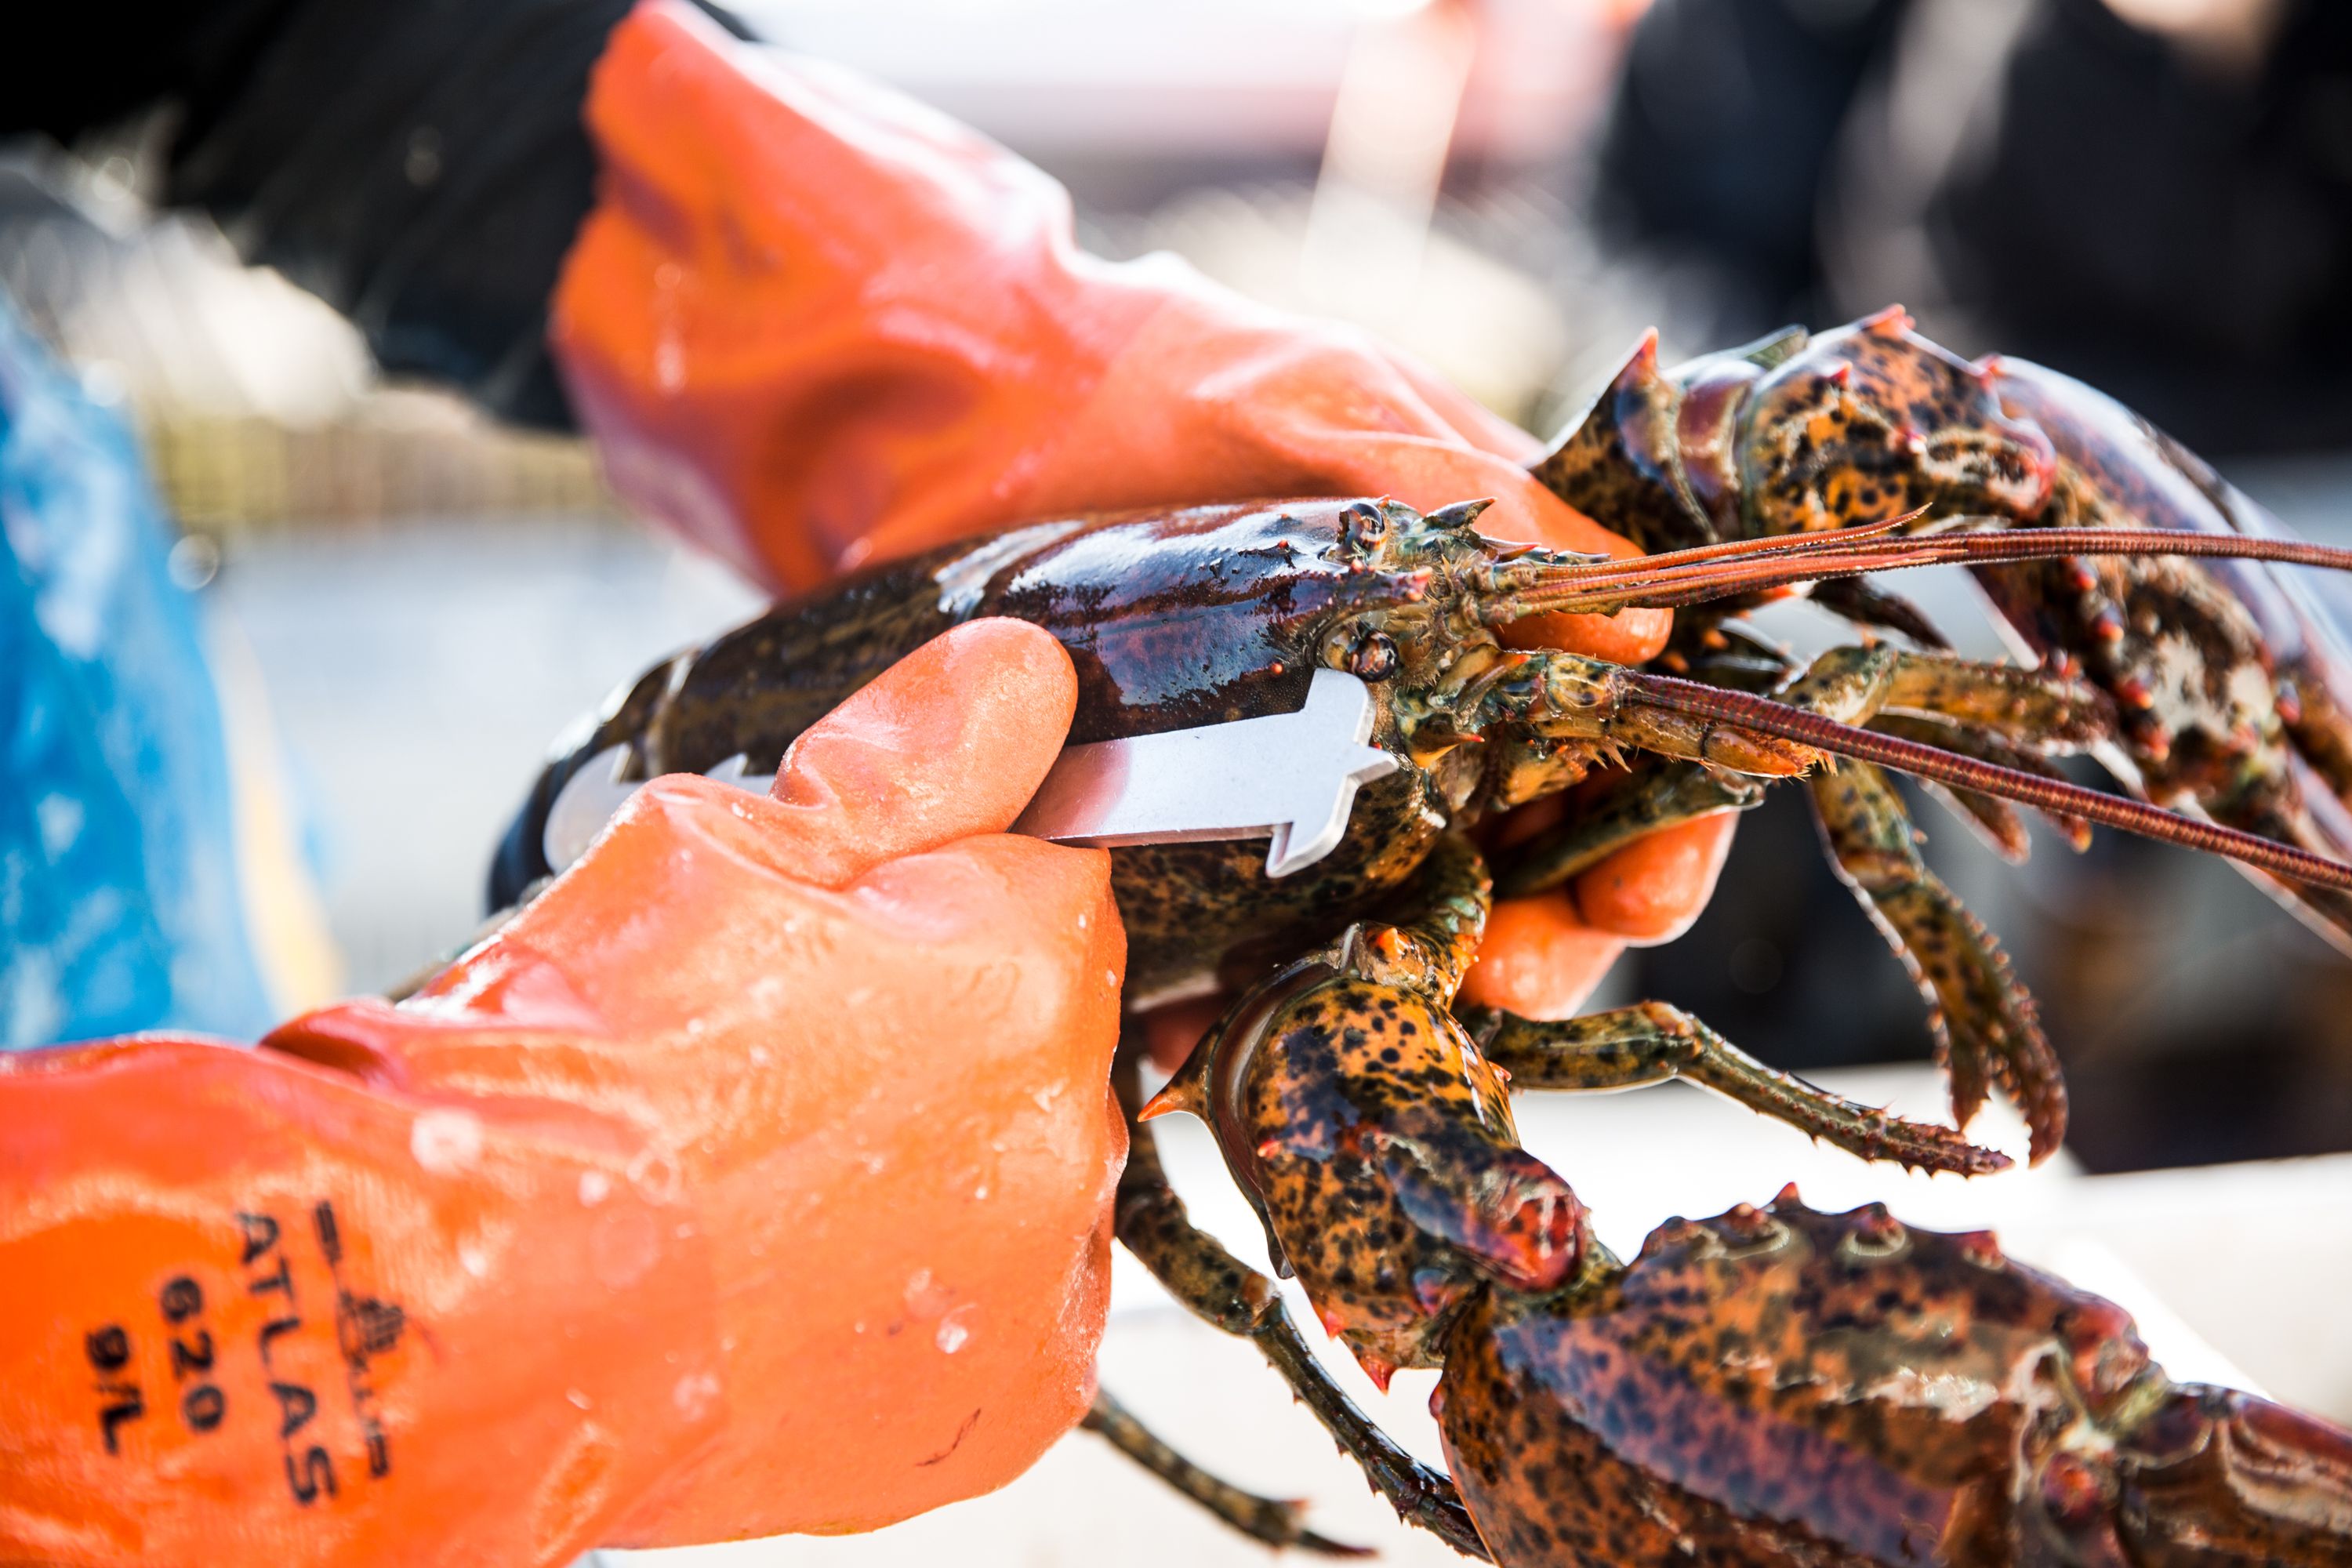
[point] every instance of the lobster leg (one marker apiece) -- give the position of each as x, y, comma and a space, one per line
1864, 603
1261, 1519
2003, 733
1198, 1271
1651, 1042
1996, 711
1984, 1024
1854, 684
1660, 797
1994, 818
1983, 1021
1567, 694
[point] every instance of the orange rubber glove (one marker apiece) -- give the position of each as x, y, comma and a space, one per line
811, 324
754, 1178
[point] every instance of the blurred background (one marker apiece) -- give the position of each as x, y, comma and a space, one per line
404, 601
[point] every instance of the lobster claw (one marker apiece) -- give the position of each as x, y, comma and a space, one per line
2215, 1476
1503, 1208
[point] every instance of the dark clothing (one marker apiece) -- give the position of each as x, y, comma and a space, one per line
2173, 233
1725, 120
420, 165
2180, 239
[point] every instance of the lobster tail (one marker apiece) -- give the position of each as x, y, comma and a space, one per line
1873, 419
1620, 462
1659, 453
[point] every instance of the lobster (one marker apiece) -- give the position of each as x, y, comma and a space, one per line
1179, 618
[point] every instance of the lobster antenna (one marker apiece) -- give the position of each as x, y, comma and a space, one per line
1744, 566
1792, 723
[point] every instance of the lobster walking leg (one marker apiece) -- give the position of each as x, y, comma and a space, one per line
1983, 1021
1651, 1042
1655, 798
1864, 603
1998, 713
2053, 712
1996, 820
1276, 1523
1857, 685
1567, 694
1993, 713
1218, 1286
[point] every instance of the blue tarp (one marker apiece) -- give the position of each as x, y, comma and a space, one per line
119, 904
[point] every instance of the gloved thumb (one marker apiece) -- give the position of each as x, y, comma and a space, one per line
949, 742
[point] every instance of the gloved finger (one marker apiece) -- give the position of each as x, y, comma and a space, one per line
951, 740
1170, 1032
1539, 959
1652, 889
944, 746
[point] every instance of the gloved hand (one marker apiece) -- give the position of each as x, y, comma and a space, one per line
754, 1178
812, 324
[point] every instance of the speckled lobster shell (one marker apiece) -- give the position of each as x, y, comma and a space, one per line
1781, 1386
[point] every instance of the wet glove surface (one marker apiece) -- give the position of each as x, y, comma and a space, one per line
754, 1178
812, 324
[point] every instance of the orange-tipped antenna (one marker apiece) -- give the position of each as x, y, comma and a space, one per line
1779, 718
1743, 566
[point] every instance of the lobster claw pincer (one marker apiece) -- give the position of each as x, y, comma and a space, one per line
1376, 1143
2213, 1476
1779, 1387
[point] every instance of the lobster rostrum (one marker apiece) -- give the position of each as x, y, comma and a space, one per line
1369, 1121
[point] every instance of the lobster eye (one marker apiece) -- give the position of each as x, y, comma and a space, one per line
1373, 656
1365, 524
